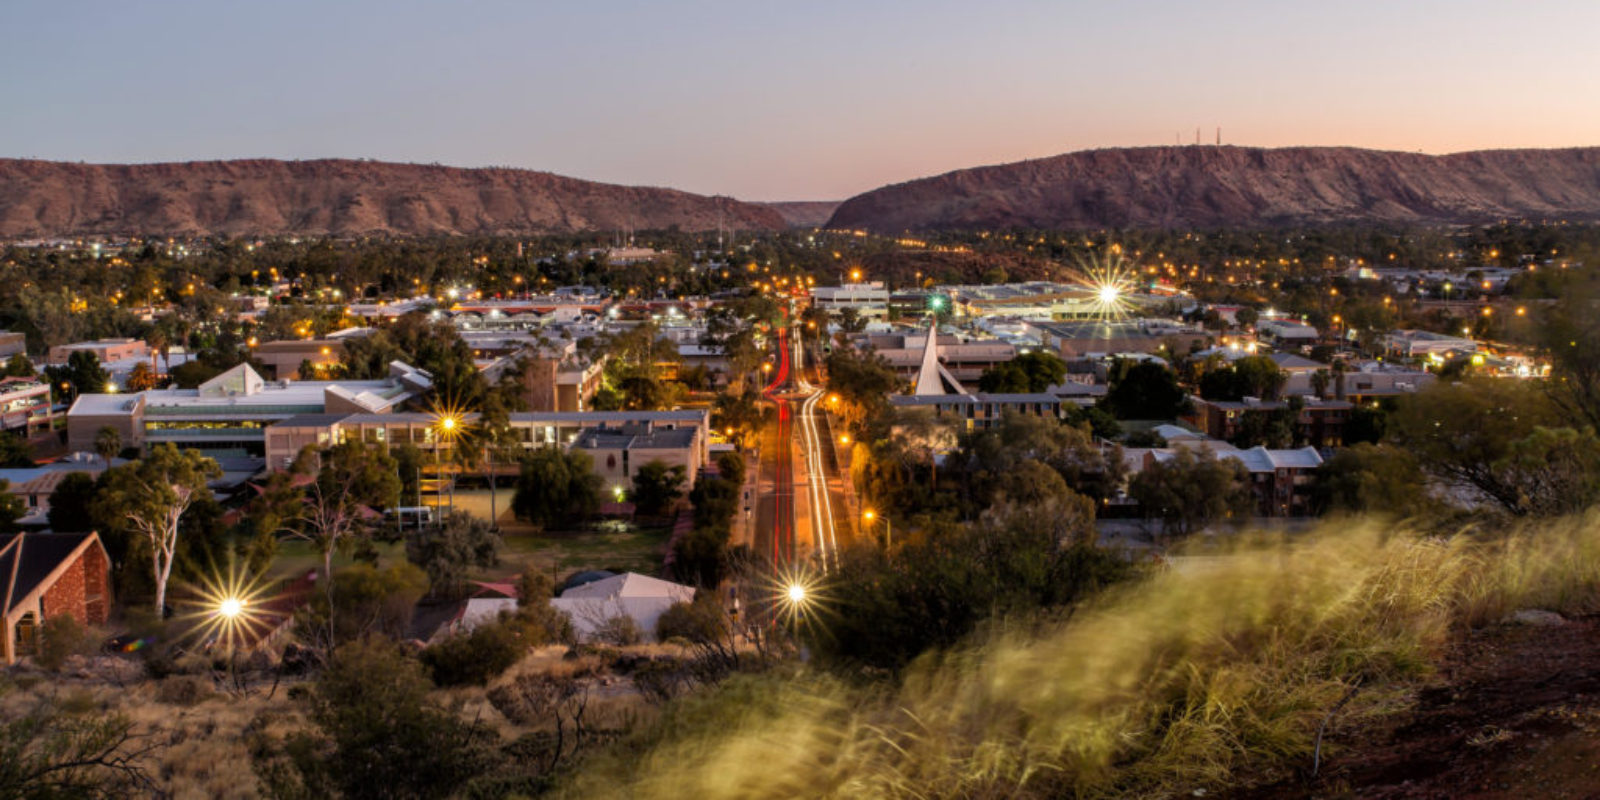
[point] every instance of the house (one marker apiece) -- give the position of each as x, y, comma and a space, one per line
630, 594
43, 575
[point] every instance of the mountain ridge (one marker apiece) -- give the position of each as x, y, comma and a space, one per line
1203, 186
340, 197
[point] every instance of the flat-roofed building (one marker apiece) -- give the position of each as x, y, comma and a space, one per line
868, 299
106, 351
619, 452
230, 413
419, 429
1071, 340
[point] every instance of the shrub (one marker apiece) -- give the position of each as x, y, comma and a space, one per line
620, 630
184, 690
476, 657
60, 636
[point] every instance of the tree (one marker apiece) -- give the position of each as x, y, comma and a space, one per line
1146, 390
150, 496
863, 383
70, 503
377, 735
1192, 490
1034, 371
15, 451
656, 487
362, 601
1250, 376
85, 373
885, 609
556, 487
333, 499
11, 508
1466, 436
447, 552
142, 378
1246, 317
1371, 478
1569, 333
107, 443
18, 366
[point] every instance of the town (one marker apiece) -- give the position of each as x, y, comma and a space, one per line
679, 458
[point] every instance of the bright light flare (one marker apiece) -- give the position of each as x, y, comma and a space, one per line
797, 597
1109, 280
227, 609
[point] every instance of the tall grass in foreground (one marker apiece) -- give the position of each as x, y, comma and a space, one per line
1180, 681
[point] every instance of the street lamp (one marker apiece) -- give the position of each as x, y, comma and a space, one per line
888, 528
446, 425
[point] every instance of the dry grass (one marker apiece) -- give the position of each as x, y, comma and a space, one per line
1179, 682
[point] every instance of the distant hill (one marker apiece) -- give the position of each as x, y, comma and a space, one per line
805, 213
341, 197
1205, 187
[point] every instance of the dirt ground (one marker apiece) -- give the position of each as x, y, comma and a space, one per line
1514, 712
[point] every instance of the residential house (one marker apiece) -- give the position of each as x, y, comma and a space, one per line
43, 575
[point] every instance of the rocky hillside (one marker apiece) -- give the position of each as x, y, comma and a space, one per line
340, 197
1204, 187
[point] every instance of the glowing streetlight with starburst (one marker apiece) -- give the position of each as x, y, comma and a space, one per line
228, 609
1109, 280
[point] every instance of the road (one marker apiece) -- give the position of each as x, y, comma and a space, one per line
803, 513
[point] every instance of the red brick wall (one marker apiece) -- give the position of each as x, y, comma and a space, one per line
83, 590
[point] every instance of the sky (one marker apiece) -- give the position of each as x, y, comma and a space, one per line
783, 101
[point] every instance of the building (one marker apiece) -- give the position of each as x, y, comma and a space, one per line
285, 439
229, 414
964, 361
284, 358
43, 575
13, 343
106, 351
1071, 340
1416, 344
25, 405
639, 597
868, 299
1284, 332
981, 410
1280, 480
34, 485
619, 452
1319, 422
